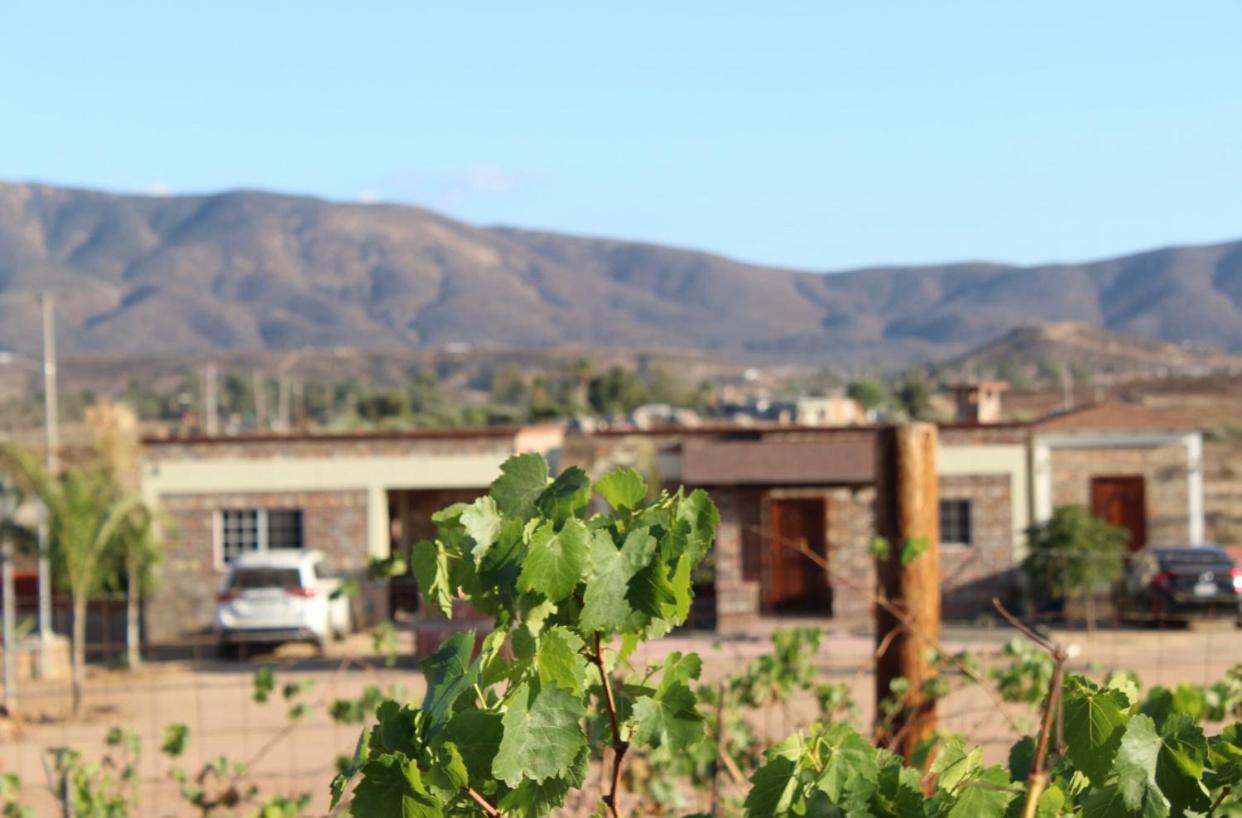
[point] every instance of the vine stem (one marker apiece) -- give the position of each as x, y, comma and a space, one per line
1038, 779
721, 748
488, 810
1220, 799
619, 745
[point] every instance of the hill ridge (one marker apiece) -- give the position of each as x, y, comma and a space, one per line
246, 269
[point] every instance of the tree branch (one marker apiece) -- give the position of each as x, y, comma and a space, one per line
619, 746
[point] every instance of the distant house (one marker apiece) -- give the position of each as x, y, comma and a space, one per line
353, 496
833, 410
779, 487
1139, 468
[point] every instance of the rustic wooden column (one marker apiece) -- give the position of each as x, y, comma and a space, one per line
907, 612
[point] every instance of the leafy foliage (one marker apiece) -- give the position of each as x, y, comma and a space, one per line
570, 595
1073, 553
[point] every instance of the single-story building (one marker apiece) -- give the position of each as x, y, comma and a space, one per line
1138, 468
352, 496
358, 496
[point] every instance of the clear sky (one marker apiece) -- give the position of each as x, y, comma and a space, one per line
819, 134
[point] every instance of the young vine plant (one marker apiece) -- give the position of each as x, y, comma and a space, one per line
513, 720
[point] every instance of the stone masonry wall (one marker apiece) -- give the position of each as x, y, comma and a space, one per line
972, 574
1163, 469
334, 522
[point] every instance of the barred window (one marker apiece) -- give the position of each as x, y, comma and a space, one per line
955, 522
258, 529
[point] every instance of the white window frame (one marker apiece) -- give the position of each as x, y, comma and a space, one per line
261, 528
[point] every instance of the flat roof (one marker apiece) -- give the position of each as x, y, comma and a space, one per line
1115, 417
844, 461
438, 433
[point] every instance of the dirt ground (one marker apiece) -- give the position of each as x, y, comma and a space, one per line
213, 699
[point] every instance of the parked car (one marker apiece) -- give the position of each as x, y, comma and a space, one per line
280, 596
1179, 583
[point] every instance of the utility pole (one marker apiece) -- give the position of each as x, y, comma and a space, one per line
51, 423
10, 609
211, 401
259, 387
282, 404
907, 613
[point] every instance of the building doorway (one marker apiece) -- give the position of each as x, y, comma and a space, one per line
794, 582
1122, 501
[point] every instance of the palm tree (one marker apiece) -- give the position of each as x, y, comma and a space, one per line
85, 512
137, 552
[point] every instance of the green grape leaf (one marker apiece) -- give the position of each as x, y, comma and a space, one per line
429, 561
622, 488
449, 674
1051, 802
559, 660
1135, 767
532, 799
1022, 758
680, 667
668, 719
638, 550
556, 560
523, 479
391, 787
699, 512
1179, 767
985, 794
1094, 719
397, 728
476, 734
1225, 758
482, 522
542, 736
772, 789
604, 607
447, 775
846, 756
568, 495
362, 751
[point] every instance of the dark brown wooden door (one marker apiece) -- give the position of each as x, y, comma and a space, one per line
1122, 501
795, 582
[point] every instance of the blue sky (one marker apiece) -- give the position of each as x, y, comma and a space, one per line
820, 135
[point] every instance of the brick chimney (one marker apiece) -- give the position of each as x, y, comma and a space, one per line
979, 402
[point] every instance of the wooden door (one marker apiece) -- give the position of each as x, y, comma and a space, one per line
1122, 501
794, 581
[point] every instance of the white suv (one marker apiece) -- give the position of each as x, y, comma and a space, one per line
280, 596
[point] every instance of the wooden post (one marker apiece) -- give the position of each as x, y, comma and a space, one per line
907, 512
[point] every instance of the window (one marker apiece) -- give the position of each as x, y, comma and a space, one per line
955, 522
258, 529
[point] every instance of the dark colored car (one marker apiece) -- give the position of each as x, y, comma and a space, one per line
1177, 583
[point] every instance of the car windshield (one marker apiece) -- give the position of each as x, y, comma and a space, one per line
245, 579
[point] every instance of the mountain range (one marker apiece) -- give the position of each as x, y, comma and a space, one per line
246, 270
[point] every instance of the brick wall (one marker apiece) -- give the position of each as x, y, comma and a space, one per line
1163, 469
851, 527
972, 574
334, 522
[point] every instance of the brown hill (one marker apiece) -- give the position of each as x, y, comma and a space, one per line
1032, 349
246, 270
